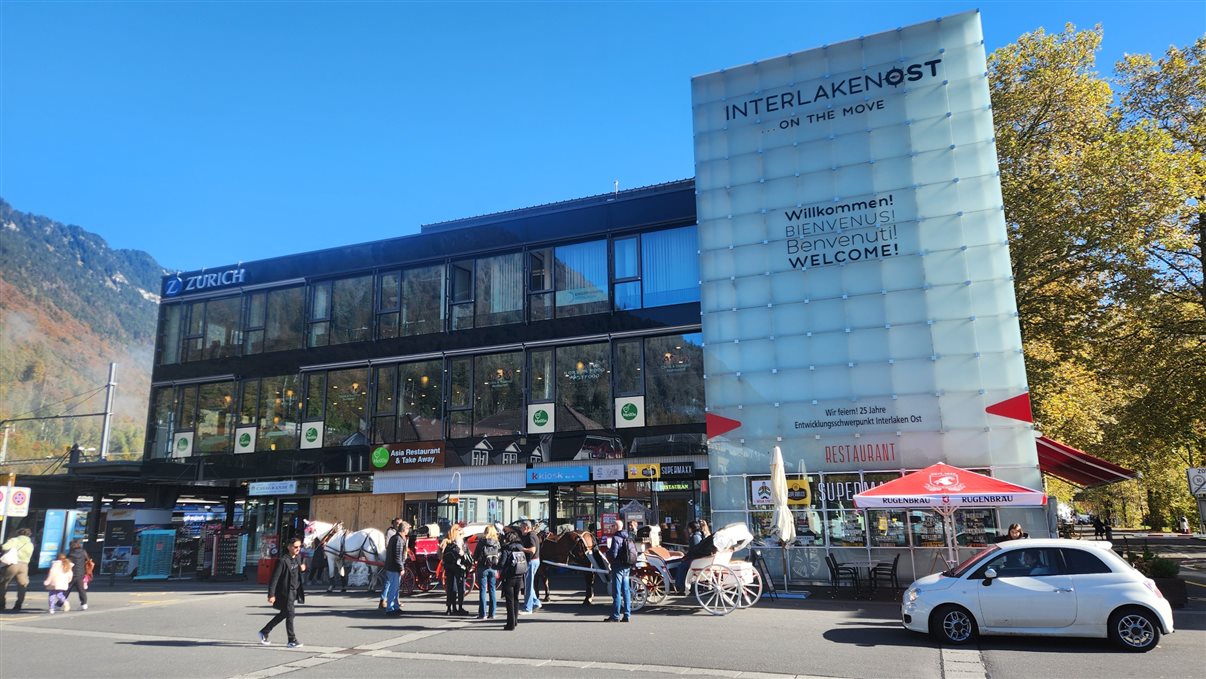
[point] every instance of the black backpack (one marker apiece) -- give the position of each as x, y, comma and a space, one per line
490, 554
627, 554
514, 563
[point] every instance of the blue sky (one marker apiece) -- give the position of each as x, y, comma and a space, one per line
208, 133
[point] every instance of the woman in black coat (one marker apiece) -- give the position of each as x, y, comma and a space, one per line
283, 589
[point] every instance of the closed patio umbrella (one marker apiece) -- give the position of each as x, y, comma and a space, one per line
785, 523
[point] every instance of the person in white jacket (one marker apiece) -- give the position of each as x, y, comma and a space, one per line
58, 581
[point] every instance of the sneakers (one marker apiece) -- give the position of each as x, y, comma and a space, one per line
525, 612
610, 619
489, 617
66, 605
295, 644
50, 611
83, 607
263, 638
625, 619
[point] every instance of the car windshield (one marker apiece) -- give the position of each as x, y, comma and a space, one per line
969, 562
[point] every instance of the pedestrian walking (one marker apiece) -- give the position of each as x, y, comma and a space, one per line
486, 556
455, 562
531, 548
1183, 525
514, 566
395, 563
80, 572
621, 555
58, 584
282, 592
389, 534
15, 554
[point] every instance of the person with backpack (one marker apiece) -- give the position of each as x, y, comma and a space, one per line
513, 566
453, 557
486, 556
621, 555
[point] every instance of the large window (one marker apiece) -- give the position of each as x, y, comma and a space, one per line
345, 422
170, 326
214, 431
409, 402
581, 278
670, 267
498, 394
163, 422
410, 302
486, 292
341, 311
275, 320
584, 387
674, 388
273, 405
210, 329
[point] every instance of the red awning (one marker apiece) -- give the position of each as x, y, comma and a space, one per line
1077, 466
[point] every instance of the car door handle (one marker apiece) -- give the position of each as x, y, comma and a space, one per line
1062, 589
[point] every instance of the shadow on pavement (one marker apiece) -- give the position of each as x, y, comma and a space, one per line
876, 635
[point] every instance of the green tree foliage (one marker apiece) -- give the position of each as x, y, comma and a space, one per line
1102, 193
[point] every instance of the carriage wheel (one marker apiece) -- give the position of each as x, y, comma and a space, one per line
471, 580
640, 592
425, 582
751, 587
406, 585
654, 583
717, 589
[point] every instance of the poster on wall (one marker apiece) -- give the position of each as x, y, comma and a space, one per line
857, 300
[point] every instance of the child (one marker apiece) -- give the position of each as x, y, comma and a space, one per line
58, 581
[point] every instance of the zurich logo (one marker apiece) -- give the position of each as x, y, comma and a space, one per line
174, 286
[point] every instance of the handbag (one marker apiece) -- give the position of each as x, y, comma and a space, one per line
10, 557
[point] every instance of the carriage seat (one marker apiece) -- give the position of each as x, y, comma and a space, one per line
664, 554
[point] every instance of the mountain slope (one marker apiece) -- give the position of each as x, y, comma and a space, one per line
69, 305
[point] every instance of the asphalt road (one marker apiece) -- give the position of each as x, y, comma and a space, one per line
188, 630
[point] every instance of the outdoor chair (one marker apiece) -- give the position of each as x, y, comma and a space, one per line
887, 573
838, 573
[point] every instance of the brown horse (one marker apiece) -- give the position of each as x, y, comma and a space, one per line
568, 548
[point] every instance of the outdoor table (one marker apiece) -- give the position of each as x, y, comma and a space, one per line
865, 567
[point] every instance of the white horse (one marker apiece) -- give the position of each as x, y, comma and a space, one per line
344, 548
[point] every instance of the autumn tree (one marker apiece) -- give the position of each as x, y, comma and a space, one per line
1097, 190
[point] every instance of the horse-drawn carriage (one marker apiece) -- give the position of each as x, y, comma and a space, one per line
718, 583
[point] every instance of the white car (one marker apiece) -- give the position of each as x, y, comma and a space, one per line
1068, 588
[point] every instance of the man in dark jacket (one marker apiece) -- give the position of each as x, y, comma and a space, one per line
621, 568
395, 561
79, 568
282, 592
512, 551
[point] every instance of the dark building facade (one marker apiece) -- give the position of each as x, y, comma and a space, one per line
544, 363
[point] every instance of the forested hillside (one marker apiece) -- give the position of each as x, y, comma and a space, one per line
70, 305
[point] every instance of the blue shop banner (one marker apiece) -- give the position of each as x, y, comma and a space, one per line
52, 537
559, 475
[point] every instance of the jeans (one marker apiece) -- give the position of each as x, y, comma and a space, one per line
621, 593
485, 582
389, 594
532, 602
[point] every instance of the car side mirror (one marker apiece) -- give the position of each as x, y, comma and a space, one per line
989, 576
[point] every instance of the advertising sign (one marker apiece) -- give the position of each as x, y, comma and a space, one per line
607, 472
559, 475
799, 492
678, 470
182, 444
542, 418
644, 471
311, 435
15, 504
414, 455
858, 307
630, 412
261, 488
244, 440
52, 537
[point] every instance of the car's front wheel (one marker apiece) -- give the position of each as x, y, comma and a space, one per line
952, 625
1134, 630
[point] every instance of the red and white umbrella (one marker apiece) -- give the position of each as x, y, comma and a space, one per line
944, 489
